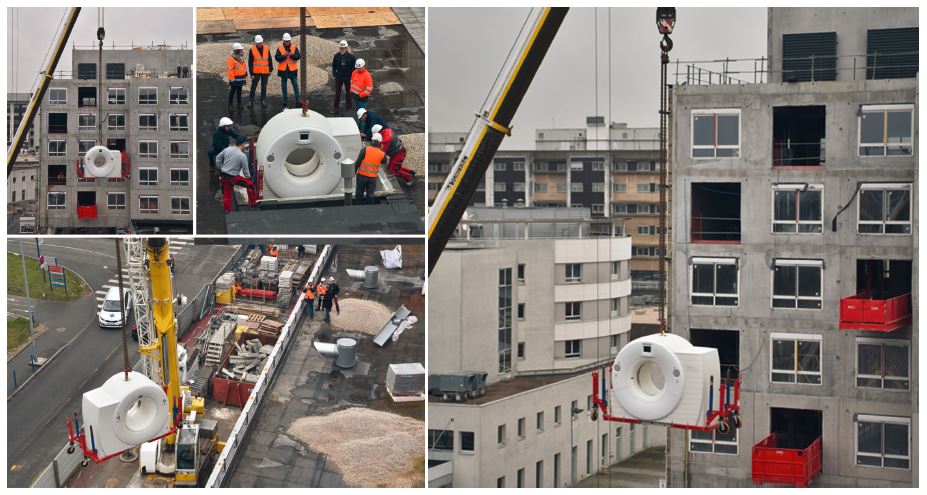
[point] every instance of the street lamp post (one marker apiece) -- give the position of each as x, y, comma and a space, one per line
22, 257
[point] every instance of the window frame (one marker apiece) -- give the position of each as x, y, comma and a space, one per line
798, 189
180, 210
58, 152
147, 116
715, 294
574, 278
56, 206
178, 128
573, 316
795, 372
883, 377
51, 91
147, 102
148, 154
148, 181
714, 442
882, 420
109, 125
91, 127
797, 263
113, 95
885, 145
111, 206
715, 112
178, 156
885, 188
573, 349
80, 152
157, 200
184, 101
179, 182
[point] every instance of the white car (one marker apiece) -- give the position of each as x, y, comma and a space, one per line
110, 316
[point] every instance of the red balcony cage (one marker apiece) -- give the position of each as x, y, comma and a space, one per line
795, 467
862, 312
86, 212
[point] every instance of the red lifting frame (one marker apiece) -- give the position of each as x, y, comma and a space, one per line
726, 409
77, 436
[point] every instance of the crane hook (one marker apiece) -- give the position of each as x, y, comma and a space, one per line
666, 44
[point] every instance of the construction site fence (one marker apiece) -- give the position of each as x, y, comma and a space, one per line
60, 469
239, 434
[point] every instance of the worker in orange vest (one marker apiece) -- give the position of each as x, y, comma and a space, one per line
238, 73
368, 167
321, 290
272, 250
361, 83
259, 65
309, 296
288, 66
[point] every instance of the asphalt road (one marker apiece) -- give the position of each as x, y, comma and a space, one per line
35, 416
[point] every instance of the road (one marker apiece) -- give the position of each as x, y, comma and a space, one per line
35, 416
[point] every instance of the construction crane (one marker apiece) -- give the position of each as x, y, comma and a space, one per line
46, 76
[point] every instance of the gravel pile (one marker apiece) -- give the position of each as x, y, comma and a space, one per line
369, 447
211, 58
415, 152
361, 315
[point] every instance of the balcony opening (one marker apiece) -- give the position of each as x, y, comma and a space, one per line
57, 175
883, 297
87, 96
86, 205
116, 144
115, 71
727, 342
791, 453
798, 136
57, 123
716, 212
86, 71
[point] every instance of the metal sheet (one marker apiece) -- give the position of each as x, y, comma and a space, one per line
390, 328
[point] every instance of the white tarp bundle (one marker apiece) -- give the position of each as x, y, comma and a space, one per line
392, 259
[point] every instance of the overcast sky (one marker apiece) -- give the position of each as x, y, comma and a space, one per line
466, 48
31, 31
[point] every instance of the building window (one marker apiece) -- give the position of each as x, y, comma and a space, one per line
647, 188
147, 149
886, 130
116, 201
613, 343
148, 204
434, 186
86, 121
539, 474
797, 284
520, 478
58, 123
521, 350
521, 311
598, 209
715, 133
714, 441
714, 281
797, 209
499, 186
500, 435
572, 348
573, 311
147, 176
147, 122
882, 363
796, 358
884, 209
520, 273
180, 205
179, 95
116, 96
576, 166
883, 441
116, 71
519, 186
467, 441
180, 177
180, 122
500, 482
619, 187
561, 187
180, 149
56, 200
434, 167
573, 272
57, 96
539, 422
505, 320
577, 187
557, 415
441, 440
521, 428
620, 167
84, 145
116, 122
518, 166
615, 305
598, 166
540, 187
598, 187
57, 147
715, 216
499, 166
147, 96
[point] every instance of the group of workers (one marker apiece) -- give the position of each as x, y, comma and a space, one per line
323, 295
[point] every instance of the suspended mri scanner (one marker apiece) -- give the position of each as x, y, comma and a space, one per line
665, 379
124, 413
100, 162
302, 155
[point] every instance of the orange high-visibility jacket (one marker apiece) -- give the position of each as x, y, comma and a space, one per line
310, 294
323, 290
260, 59
289, 64
361, 83
236, 69
371, 165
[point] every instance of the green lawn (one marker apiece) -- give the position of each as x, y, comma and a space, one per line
17, 331
37, 287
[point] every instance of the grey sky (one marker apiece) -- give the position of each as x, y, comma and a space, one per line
37, 28
466, 48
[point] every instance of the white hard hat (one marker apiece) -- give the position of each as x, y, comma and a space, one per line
359, 64
376, 128
259, 39
331, 279
225, 121
286, 37
376, 137
237, 46
361, 111
343, 44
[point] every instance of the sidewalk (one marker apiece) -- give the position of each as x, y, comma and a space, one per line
64, 320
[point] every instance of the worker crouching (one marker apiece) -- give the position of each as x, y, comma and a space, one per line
368, 168
396, 153
234, 171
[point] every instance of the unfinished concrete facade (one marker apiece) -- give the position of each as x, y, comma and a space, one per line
794, 202
146, 110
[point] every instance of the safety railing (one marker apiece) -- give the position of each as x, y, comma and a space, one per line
792, 154
60, 469
249, 412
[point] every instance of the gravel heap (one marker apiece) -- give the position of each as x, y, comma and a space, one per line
361, 315
415, 152
211, 58
369, 447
